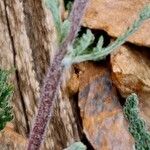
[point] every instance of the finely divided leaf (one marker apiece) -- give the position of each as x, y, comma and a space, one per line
83, 43
6, 91
76, 146
61, 27
145, 13
82, 53
137, 126
80, 47
65, 29
53, 5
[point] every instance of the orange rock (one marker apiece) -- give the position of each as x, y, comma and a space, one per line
103, 120
131, 73
114, 16
10, 140
73, 84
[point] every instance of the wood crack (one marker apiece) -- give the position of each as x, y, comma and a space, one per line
16, 71
38, 35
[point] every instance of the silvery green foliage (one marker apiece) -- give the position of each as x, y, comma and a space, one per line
76, 146
137, 126
6, 91
79, 53
145, 13
62, 27
65, 29
80, 47
68, 4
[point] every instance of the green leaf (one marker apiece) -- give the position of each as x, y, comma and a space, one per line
80, 47
68, 4
145, 13
6, 91
77, 146
65, 29
100, 42
137, 126
62, 28
82, 53
83, 43
53, 5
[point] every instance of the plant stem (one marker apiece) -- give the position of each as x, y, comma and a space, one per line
53, 78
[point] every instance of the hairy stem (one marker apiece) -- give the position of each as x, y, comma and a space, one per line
52, 79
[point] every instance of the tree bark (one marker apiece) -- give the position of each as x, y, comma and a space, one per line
27, 43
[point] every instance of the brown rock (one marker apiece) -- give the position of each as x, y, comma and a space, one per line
73, 84
131, 73
10, 140
102, 116
115, 16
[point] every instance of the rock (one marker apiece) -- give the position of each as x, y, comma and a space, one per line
131, 73
115, 16
103, 121
73, 84
10, 140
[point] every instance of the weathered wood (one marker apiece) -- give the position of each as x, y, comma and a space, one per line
10, 140
27, 42
7, 61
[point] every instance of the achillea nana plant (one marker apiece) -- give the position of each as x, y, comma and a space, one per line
6, 91
137, 126
70, 50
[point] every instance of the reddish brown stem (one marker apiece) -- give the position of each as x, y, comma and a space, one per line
52, 79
